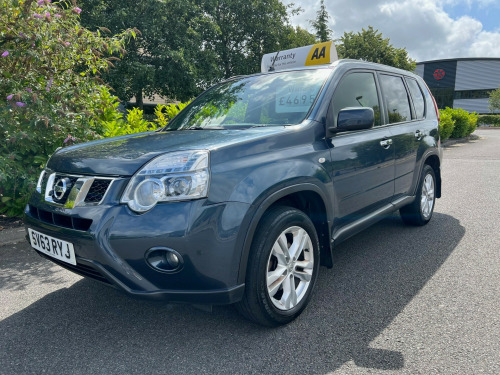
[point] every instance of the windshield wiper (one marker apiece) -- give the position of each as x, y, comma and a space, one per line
206, 128
267, 125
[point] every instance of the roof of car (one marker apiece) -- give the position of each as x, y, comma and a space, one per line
360, 64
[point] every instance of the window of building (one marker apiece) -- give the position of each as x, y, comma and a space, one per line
444, 97
473, 94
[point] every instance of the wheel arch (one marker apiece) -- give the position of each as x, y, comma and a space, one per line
308, 198
434, 162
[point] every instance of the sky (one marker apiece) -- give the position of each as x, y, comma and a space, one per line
428, 29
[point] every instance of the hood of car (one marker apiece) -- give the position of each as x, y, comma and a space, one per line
123, 156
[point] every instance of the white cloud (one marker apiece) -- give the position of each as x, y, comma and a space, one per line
422, 27
469, 3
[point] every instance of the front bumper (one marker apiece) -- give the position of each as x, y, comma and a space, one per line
112, 249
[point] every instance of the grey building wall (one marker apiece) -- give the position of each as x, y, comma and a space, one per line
473, 105
477, 75
419, 70
468, 74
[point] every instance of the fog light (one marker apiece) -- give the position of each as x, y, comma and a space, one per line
164, 259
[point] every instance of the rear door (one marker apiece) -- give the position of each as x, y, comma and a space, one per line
362, 161
404, 116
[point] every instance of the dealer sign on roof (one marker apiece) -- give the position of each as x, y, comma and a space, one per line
316, 54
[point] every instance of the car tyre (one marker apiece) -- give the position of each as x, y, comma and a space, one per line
283, 268
420, 211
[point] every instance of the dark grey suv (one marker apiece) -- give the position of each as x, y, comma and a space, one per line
247, 191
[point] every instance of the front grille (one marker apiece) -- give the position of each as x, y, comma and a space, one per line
97, 191
71, 182
80, 190
60, 220
81, 269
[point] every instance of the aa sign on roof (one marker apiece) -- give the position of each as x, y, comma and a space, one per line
316, 54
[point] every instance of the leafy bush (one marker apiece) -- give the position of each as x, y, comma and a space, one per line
165, 113
472, 123
446, 124
495, 100
49, 95
110, 121
115, 125
461, 118
457, 123
134, 123
491, 120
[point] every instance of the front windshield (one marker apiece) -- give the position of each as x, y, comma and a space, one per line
282, 98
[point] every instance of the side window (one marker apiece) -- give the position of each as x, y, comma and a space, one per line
396, 98
357, 90
418, 98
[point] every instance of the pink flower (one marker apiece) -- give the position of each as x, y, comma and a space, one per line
69, 138
49, 84
47, 15
10, 97
5, 54
41, 2
77, 10
57, 15
29, 90
36, 15
66, 43
20, 104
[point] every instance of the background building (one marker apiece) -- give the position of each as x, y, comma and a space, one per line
462, 83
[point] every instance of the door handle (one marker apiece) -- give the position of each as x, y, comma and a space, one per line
386, 143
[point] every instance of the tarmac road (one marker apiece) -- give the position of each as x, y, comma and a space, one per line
400, 300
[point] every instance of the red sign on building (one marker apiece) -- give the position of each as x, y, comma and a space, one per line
439, 74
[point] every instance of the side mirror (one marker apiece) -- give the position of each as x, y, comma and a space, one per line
354, 118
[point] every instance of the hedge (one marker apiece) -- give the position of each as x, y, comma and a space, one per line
456, 123
490, 120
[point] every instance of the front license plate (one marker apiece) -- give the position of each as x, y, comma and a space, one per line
53, 247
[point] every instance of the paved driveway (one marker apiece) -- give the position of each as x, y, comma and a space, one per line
399, 300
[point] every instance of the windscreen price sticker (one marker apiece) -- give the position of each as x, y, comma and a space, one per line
294, 99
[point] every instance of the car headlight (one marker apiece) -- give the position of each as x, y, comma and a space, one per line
175, 176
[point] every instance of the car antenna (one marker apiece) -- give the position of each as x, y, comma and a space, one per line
271, 68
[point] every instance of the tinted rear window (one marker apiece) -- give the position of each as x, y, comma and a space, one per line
418, 98
396, 98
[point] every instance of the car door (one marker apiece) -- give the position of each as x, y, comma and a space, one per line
362, 168
406, 129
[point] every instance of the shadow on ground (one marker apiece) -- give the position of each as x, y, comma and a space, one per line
90, 328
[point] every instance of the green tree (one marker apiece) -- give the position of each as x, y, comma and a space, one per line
49, 89
164, 58
296, 37
185, 46
241, 31
320, 24
370, 45
495, 100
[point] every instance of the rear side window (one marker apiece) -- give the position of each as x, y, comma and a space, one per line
357, 90
418, 98
396, 98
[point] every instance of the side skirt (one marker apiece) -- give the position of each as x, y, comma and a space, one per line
357, 226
